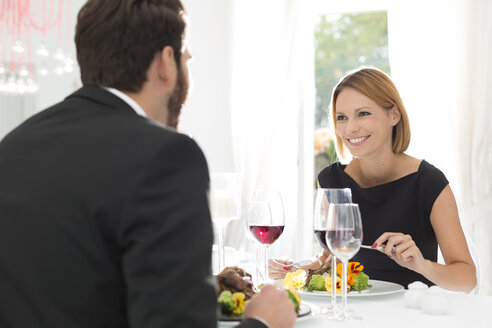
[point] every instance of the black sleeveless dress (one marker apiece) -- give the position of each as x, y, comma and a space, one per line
403, 205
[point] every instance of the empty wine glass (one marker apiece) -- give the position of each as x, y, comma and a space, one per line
266, 221
344, 237
225, 206
325, 197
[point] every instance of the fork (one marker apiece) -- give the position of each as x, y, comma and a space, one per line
298, 264
379, 248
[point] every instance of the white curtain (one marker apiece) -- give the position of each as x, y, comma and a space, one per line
441, 61
473, 124
271, 47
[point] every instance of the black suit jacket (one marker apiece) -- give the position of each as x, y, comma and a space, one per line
104, 221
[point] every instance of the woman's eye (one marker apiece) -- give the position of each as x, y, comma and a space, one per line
364, 113
340, 117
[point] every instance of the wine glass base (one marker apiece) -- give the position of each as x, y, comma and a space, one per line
348, 315
329, 311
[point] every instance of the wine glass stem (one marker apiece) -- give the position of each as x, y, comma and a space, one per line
265, 263
333, 280
344, 285
220, 239
258, 259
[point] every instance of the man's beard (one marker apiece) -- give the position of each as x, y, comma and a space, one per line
177, 99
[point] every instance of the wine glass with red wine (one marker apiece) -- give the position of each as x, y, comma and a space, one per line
254, 241
325, 197
266, 221
344, 237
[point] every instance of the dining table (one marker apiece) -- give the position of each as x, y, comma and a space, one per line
390, 309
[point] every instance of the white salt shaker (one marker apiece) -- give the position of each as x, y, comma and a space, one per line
415, 293
435, 301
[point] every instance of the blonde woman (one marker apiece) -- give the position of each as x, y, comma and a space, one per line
406, 203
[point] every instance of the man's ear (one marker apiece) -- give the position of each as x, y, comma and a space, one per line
166, 67
395, 115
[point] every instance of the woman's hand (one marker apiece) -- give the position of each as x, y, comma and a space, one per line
403, 250
277, 269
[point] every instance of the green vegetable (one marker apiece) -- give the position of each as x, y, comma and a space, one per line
360, 282
226, 302
317, 283
294, 299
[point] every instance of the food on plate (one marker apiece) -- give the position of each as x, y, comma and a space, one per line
235, 288
317, 283
295, 298
360, 282
320, 280
338, 285
240, 303
235, 279
295, 280
231, 304
353, 269
226, 302
322, 270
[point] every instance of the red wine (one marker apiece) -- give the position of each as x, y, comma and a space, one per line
266, 234
320, 236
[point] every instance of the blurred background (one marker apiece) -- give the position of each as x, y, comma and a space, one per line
262, 76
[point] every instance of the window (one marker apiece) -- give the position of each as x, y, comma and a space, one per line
343, 41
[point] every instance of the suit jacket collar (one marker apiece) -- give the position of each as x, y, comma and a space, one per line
104, 97
101, 96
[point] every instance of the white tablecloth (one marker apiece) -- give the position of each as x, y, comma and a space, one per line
465, 311
381, 311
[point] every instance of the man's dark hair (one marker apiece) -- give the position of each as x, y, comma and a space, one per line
117, 40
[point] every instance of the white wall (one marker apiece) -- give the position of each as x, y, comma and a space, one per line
54, 88
14, 109
206, 117
207, 114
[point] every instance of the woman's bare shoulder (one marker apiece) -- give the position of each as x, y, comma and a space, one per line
409, 164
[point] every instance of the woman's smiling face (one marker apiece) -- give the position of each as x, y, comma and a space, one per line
364, 126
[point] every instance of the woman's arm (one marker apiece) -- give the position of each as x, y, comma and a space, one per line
458, 273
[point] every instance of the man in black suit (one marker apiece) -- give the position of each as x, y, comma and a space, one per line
104, 218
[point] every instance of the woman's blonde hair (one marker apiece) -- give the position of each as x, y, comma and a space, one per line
377, 86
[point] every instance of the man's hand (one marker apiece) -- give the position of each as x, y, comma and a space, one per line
273, 306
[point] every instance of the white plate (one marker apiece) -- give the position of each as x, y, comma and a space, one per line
378, 288
304, 312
